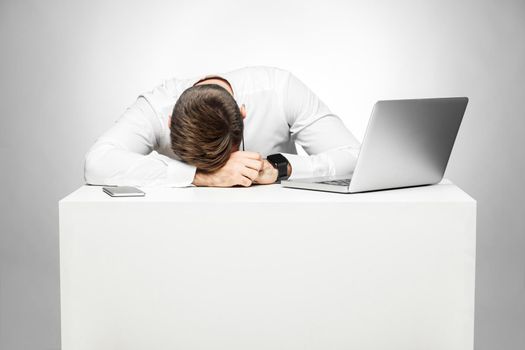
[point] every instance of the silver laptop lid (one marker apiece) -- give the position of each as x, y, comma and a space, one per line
407, 143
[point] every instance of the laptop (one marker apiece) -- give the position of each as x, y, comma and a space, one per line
407, 143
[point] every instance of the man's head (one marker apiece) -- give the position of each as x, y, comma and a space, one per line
206, 126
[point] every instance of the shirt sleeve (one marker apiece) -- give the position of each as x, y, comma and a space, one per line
332, 149
125, 155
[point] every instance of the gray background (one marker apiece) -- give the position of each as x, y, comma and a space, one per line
69, 69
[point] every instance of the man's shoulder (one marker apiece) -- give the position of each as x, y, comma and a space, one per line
163, 97
256, 78
255, 71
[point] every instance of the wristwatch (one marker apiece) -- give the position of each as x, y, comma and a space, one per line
279, 162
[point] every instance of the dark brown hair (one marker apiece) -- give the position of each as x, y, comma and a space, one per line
205, 126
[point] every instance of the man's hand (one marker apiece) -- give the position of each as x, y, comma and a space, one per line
242, 169
267, 175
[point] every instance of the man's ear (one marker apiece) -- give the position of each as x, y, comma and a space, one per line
243, 111
169, 122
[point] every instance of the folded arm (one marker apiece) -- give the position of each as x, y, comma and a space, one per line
332, 149
125, 155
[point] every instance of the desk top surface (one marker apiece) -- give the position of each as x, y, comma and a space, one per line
442, 192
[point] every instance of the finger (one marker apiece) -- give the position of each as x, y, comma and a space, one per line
244, 181
250, 155
253, 164
250, 173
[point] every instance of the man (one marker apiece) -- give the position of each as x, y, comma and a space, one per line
214, 131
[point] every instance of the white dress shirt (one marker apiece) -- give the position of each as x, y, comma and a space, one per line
281, 111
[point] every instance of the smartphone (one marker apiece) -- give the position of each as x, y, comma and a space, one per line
123, 191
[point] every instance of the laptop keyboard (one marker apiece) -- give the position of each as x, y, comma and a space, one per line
344, 182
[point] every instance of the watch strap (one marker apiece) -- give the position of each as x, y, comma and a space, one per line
279, 162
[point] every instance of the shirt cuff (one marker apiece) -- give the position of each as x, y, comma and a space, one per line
178, 173
301, 166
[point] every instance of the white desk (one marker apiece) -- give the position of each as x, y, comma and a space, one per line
268, 268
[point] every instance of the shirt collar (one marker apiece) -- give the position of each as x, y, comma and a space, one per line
216, 76
224, 76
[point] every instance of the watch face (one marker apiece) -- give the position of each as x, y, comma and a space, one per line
277, 158
280, 163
